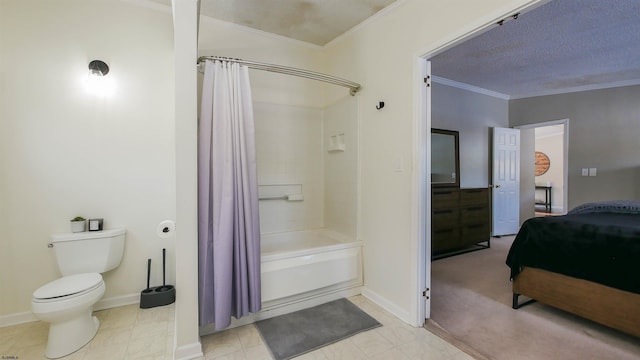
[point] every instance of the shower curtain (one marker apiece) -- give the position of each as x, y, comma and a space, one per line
228, 223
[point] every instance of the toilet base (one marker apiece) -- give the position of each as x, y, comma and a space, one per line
68, 336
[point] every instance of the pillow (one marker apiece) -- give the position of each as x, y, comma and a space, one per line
614, 206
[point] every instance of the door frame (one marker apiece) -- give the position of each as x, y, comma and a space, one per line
565, 158
422, 155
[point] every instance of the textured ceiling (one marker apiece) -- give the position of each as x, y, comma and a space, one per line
562, 45
313, 21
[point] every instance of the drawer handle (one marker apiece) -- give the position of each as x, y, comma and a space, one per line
442, 212
443, 231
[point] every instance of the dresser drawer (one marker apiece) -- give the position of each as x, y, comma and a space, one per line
445, 239
474, 214
445, 218
474, 196
445, 198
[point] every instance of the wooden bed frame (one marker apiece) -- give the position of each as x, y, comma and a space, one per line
615, 308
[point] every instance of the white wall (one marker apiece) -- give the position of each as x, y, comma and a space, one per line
225, 39
67, 153
289, 161
382, 55
341, 167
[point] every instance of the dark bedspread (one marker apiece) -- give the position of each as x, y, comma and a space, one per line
600, 247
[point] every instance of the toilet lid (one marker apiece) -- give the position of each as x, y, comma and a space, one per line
68, 285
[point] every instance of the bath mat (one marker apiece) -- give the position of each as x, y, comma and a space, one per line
306, 330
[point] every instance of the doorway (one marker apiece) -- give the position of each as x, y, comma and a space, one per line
544, 188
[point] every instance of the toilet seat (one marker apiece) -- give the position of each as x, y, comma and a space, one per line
68, 287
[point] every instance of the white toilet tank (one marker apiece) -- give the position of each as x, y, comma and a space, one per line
90, 251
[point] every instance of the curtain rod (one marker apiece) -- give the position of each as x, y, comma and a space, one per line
353, 86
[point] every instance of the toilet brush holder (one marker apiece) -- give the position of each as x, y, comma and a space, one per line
157, 295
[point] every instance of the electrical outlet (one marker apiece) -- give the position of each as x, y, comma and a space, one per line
585, 172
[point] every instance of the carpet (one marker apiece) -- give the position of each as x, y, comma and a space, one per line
306, 330
471, 300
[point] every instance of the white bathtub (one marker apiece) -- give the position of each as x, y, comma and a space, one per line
307, 263
301, 269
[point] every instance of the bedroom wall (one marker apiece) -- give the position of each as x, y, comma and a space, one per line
527, 174
603, 134
473, 115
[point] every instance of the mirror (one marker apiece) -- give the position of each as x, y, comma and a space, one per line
445, 160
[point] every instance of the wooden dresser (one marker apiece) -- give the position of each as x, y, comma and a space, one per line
460, 219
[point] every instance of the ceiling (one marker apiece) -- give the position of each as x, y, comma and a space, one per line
313, 21
561, 46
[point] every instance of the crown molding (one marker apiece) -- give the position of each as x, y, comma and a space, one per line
463, 86
615, 84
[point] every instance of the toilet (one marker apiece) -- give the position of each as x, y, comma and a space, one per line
67, 303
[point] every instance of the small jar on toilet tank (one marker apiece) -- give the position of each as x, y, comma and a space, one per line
95, 224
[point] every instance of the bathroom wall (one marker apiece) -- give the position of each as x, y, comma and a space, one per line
340, 127
225, 39
65, 152
293, 156
289, 161
288, 113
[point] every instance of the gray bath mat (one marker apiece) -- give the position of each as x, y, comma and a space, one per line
303, 331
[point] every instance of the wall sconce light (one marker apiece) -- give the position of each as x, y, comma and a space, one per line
96, 82
98, 68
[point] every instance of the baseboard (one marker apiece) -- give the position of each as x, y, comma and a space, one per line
389, 306
26, 317
187, 352
117, 301
16, 319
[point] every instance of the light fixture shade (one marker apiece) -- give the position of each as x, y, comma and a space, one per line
98, 68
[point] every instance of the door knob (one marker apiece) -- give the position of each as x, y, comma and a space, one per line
497, 186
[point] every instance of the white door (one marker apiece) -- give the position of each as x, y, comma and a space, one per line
506, 181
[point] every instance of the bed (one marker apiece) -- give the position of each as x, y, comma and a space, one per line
586, 262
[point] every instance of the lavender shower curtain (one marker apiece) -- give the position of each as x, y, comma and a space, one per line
228, 223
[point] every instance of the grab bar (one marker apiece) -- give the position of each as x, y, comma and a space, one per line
285, 197
289, 197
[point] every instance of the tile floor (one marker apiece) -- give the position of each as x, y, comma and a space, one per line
131, 333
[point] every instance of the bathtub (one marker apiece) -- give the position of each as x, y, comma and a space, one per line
301, 269
308, 263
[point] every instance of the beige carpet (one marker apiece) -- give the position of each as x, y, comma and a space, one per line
472, 302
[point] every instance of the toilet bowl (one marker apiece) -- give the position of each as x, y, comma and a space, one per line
67, 304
